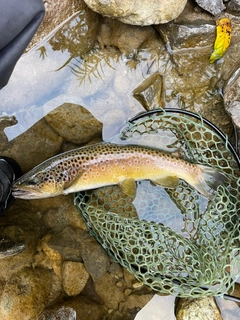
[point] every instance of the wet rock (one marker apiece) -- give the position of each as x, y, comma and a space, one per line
232, 95
27, 293
192, 29
62, 246
19, 234
5, 121
136, 13
66, 214
135, 303
233, 6
58, 11
74, 123
63, 313
95, 258
80, 307
213, 6
232, 98
10, 248
126, 38
74, 277
149, 92
181, 36
107, 289
47, 143
197, 309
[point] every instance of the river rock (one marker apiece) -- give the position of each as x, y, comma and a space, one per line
19, 234
128, 39
27, 293
63, 313
107, 289
80, 307
233, 6
194, 28
58, 11
149, 92
95, 258
75, 277
62, 246
197, 309
232, 95
32, 147
74, 123
143, 13
213, 6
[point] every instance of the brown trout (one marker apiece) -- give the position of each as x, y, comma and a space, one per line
106, 164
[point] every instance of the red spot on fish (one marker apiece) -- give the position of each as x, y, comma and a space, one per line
103, 168
123, 167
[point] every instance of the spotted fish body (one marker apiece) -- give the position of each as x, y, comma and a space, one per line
106, 164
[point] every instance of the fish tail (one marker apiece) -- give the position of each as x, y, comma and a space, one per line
210, 179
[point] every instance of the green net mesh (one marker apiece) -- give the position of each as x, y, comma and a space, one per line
176, 241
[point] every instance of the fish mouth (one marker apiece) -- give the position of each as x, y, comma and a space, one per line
24, 194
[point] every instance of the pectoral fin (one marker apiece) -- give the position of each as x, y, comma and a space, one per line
168, 182
71, 186
128, 186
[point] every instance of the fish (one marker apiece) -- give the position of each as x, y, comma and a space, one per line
105, 164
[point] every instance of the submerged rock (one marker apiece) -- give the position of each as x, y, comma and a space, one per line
63, 313
75, 277
58, 11
26, 294
80, 307
144, 12
74, 123
197, 309
149, 92
37, 144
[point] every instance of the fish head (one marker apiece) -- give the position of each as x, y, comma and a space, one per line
38, 184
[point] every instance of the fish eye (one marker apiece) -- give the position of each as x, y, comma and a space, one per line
33, 182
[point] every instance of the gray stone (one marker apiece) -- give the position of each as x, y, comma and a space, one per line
213, 6
233, 6
232, 95
136, 12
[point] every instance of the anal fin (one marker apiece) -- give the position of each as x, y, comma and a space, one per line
128, 186
167, 182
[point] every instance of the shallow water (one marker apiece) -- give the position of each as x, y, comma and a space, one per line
102, 80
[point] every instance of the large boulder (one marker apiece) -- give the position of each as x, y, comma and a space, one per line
145, 12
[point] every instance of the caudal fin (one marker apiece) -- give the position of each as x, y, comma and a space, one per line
210, 180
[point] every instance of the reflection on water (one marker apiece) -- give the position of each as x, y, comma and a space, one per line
58, 71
